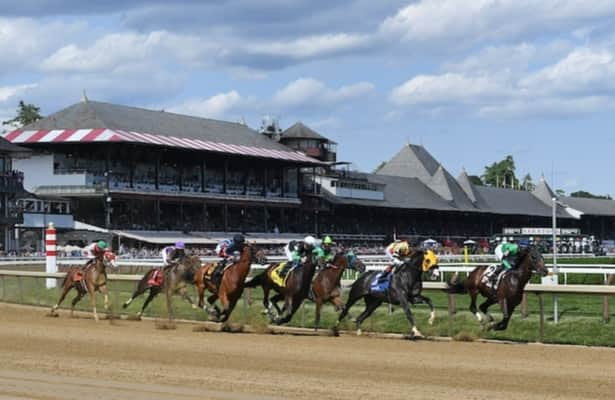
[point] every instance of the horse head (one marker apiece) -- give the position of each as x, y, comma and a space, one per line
536, 261
109, 259
259, 256
354, 262
428, 262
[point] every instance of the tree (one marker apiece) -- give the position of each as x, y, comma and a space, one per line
501, 174
588, 195
26, 114
527, 183
560, 192
475, 180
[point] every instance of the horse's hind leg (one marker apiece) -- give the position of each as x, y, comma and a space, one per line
422, 299
105, 292
274, 300
318, 301
152, 293
473, 309
371, 304
65, 290
184, 294
351, 300
485, 306
403, 301
141, 288
76, 300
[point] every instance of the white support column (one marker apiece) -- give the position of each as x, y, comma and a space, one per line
51, 265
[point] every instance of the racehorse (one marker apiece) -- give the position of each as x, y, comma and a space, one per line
176, 274
295, 290
231, 285
509, 292
405, 288
326, 284
88, 280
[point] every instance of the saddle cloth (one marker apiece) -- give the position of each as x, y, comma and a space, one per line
488, 275
276, 276
380, 283
157, 278
78, 276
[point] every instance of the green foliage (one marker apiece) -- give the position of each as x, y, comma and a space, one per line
476, 180
26, 114
527, 183
588, 195
501, 174
560, 192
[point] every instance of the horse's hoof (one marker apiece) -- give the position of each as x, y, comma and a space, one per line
265, 312
359, 332
416, 333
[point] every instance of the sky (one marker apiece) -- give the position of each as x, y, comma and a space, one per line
471, 81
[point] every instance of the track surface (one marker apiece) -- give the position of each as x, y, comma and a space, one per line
63, 358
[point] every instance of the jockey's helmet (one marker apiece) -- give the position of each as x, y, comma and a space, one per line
102, 244
180, 245
239, 239
310, 240
327, 240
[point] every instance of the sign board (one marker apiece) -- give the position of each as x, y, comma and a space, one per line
541, 231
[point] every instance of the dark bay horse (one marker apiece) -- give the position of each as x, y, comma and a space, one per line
179, 276
405, 288
326, 284
231, 285
510, 290
295, 291
88, 280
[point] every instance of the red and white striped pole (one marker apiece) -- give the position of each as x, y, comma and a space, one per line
50, 259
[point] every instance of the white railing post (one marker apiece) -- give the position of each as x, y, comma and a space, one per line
51, 265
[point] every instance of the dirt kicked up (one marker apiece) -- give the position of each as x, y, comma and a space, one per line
63, 358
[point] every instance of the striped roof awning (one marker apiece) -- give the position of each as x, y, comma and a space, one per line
115, 135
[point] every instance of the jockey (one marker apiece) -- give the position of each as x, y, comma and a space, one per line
325, 252
227, 249
505, 253
96, 250
295, 250
396, 252
172, 254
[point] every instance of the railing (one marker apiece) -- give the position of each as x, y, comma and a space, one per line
539, 290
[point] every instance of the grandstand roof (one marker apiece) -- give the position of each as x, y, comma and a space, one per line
8, 147
103, 122
414, 179
591, 206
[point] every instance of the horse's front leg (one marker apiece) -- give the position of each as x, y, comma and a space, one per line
405, 304
105, 292
422, 299
507, 310
92, 293
184, 294
484, 308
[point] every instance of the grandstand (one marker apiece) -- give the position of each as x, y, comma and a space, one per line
141, 172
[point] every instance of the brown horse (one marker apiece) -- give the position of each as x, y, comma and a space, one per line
326, 284
294, 292
173, 280
510, 290
176, 280
231, 285
88, 280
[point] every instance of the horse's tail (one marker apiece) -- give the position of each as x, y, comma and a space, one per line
257, 280
456, 288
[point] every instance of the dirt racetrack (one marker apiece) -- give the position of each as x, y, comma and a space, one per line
63, 358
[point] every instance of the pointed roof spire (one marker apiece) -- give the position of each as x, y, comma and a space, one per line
84, 97
464, 181
543, 192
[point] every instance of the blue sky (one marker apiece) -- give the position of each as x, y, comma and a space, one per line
472, 81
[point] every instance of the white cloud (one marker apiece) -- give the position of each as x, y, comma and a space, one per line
213, 107
462, 23
309, 92
25, 42
6, 92
581, 82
